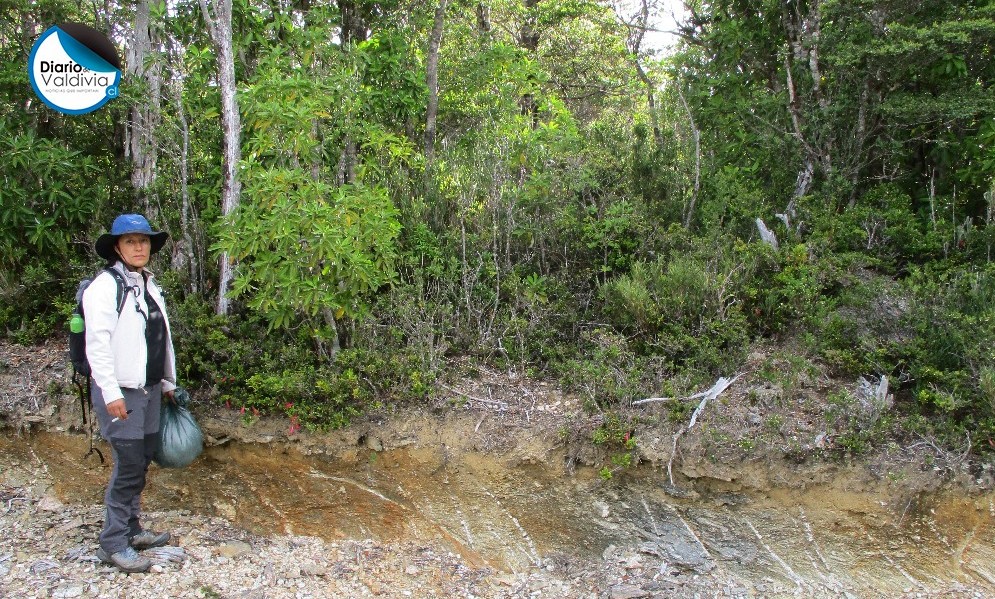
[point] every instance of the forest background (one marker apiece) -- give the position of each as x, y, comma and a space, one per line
396, 191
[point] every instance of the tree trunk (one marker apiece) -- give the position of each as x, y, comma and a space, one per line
696, 135
143, 116
353, 24
353, 32
330, 321
483, 20
528, 39
347, 162
860, 140
231, 189
812, 33
803, 39
432, 80
650, 103
637, 32
187, 218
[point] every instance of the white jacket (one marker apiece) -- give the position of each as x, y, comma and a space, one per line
115, 347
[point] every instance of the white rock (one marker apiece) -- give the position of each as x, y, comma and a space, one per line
67, 592
50, 504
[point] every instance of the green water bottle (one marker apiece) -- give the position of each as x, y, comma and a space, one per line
76, 324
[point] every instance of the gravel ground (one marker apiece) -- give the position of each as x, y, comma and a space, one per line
47, 549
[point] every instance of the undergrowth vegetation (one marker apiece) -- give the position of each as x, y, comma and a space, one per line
561, 203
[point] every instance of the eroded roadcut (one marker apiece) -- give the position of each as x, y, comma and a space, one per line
821, 541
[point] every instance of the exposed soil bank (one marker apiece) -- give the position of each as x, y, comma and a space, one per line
506, 498
826, 540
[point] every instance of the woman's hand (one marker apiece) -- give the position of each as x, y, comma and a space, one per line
117, 409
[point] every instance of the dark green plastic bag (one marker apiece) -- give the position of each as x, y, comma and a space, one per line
180, 439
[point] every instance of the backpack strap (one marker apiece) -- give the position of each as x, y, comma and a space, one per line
86, 399
122, 287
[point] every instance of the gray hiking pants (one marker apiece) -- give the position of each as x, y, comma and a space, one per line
133, 442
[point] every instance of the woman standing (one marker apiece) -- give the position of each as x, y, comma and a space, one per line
131, 358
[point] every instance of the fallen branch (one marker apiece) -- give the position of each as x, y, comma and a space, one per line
724, 381
651, 399
720, 385
471, 397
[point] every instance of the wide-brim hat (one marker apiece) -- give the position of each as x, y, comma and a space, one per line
123, 225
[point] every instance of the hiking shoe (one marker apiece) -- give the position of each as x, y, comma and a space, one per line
148, 539
126, 560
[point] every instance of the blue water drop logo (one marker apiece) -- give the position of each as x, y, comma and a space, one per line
74, 69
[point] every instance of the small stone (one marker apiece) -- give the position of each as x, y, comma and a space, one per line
225, 510
608, 552
411, 570
627, 591
67, 592
50, 504
69, 526
234, 549
156, 568
313, 570
678, 492
633, 563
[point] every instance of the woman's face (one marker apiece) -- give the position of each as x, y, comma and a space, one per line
135, 250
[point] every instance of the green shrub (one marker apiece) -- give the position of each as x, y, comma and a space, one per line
951, 360
604, 371
851, 430
683, 308
239, 363
882, 226
51, 196
616, 434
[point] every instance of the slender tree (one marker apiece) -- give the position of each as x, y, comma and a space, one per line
432, 79
143, 116
218, 17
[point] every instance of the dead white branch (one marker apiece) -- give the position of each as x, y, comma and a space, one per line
720, 385
766, 234
492, 402
651, 400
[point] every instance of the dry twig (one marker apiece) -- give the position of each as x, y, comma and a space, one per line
471, 397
